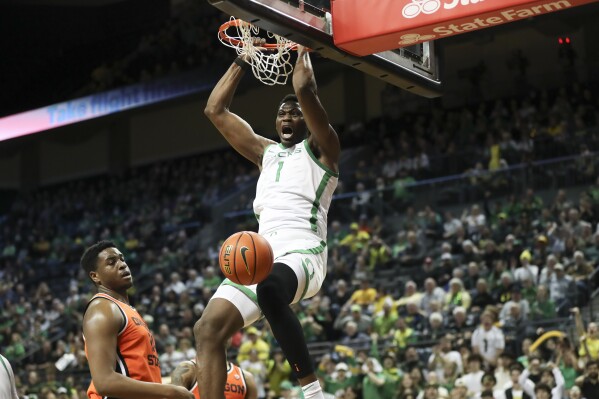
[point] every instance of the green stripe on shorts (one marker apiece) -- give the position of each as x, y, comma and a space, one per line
310, 251
249, 293
307, 280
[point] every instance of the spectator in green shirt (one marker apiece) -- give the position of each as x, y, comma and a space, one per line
16, 348
211, 279
340, 379
567, 362
529, 290
374, 380
279, 370
383, 323
543, 308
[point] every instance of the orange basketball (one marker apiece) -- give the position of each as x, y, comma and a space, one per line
246, 258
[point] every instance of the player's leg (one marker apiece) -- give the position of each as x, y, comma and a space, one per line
227, 312
275, 294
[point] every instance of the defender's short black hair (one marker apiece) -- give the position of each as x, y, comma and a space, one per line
90, 256
289, 98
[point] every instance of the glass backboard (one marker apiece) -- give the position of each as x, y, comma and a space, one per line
413, 68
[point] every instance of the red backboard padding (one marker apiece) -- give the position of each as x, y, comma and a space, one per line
364, 27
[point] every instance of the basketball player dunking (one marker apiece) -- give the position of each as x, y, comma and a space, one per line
294, 192
240, 384
120, 348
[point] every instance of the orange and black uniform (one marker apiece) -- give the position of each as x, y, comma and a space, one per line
235, 387
136, 349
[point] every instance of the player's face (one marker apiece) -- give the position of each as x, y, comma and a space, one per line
290, 123
112, 271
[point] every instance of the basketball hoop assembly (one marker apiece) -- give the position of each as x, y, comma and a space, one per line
268, 54
408, 22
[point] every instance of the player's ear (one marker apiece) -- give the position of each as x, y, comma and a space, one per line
94, 277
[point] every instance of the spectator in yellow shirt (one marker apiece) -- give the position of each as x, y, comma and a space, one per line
411, 294
589, 339
457, 295
366, 295
403, 335
254, 342
356, 239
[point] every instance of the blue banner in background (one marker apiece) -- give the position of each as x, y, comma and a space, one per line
102, 104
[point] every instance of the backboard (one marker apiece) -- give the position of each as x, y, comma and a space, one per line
308, 22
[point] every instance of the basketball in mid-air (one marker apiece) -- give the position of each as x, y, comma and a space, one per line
246, 258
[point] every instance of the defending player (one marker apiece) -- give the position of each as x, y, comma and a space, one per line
293, 195
120, 348
240, 383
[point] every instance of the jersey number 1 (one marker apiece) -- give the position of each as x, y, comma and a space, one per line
279, 171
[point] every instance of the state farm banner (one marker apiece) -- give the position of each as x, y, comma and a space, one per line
364, 27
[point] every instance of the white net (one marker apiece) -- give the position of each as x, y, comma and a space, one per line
270, 61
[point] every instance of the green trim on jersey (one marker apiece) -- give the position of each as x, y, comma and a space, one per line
310, 251
8, 372
282, 146
317, 161
307, 273
257, 217
266, 150
321, 187
249, 293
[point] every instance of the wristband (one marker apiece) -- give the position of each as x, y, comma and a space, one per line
241, 63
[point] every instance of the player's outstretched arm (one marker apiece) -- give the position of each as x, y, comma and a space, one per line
235, 130
184, 375
101, 325
250, 382
322, 133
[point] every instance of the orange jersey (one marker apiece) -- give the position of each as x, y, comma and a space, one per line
235, 387
136, 349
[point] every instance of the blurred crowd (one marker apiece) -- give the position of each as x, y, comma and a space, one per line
424, 301
186, 41
479, 141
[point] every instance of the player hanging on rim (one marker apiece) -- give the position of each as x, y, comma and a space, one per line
293, 195
120, 348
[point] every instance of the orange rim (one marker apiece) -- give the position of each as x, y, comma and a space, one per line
222, 33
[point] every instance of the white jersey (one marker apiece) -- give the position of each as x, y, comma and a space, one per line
293, 196
489, 343
8, 389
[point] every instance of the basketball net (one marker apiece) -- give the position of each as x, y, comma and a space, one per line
270, 60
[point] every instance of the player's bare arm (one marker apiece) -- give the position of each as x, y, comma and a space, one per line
236, 131
322, 136
250, 382
101, 325
184, 374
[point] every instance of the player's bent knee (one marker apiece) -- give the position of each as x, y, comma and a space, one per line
206, 329
218, 323
278, 288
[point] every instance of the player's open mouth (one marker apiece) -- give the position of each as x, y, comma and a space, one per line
126, 275
286, 132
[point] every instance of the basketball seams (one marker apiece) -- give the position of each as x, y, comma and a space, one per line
235, 258
255, 265
262, 257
